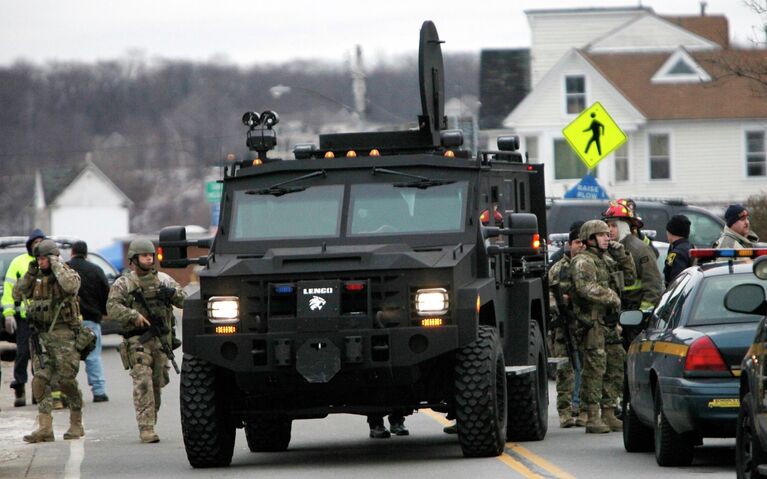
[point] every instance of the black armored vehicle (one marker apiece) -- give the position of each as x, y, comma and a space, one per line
360, 277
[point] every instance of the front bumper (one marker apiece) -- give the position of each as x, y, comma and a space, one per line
348, 350
706, 406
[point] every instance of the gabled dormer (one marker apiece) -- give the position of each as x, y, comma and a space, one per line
680, 68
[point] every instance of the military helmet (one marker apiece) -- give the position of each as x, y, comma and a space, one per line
46, 248
593, 227
140, 246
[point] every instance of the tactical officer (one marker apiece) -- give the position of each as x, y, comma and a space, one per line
142, 301
644, 292
737, 234
560, 286
50, 288
678, 258
597, 280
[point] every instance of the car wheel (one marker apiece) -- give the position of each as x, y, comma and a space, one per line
529, 395
207, 430
480, 395
268, 433
748, 450
671, 448
636, 436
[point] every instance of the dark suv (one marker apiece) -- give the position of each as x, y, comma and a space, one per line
705, 227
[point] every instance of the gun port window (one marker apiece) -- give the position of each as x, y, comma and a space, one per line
313, 212
386, 209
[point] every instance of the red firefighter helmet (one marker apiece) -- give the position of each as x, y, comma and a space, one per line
636, 220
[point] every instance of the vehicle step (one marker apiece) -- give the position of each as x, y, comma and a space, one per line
557, 361
520, 370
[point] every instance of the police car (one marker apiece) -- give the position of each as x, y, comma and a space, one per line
682, 371
751, 427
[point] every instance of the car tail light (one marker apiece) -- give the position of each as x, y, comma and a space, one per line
703, 355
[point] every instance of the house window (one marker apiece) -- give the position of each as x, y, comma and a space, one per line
681, 68
622, 163
660, 156
755, 154
567, 165
531, 148
575, 94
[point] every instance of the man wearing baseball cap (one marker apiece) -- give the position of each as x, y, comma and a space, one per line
737, 234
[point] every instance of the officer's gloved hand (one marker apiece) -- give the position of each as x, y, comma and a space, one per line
616, 248
615, 301
33, 267
10, 324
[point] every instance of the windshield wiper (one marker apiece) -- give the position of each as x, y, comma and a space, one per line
420, 182
278, 189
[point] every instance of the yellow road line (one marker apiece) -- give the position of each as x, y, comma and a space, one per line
512, 462
518, 466
539, 461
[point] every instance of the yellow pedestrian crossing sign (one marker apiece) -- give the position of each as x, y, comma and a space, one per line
594, 135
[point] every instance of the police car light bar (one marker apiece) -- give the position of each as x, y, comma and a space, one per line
727, 253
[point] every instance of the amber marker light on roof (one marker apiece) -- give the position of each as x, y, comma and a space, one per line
329, 154
479, 304
257, 162
375, 152
351, 154
450, 154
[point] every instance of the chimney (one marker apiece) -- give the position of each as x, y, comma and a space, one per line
703, 4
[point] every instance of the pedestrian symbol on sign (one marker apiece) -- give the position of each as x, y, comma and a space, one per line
593, 135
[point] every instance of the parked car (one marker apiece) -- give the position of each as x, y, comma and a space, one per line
682, 370
751, 425
705, 227
12, 246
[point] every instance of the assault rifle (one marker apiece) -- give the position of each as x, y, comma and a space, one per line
37, 347
157, 327
563, 321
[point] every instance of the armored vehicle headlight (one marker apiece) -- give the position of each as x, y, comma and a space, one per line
429, 302
223, 309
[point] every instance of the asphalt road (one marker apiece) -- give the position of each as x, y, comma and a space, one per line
336, 447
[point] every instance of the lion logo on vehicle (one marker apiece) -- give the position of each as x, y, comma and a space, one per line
316, 303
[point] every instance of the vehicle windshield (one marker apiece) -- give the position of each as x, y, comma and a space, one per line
313, 212
710, 306
384, 208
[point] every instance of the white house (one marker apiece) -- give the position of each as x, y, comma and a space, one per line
86, 204
693, 132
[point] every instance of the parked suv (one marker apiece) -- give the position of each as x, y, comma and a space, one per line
705, 227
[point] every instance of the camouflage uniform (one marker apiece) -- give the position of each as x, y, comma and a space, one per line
596, 283
54, 314
560, 274
147, 362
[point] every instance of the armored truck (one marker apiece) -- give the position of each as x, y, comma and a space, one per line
375, 272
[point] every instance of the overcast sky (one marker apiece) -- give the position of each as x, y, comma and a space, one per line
255, 31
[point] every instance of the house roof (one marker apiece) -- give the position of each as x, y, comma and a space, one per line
727, 96
57, 180
712, 27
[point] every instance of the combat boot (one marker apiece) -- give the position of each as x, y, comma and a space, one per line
582, 418
566, 419
75, 430
44, 431
608, 417
147, 434
595, 424
21, 396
